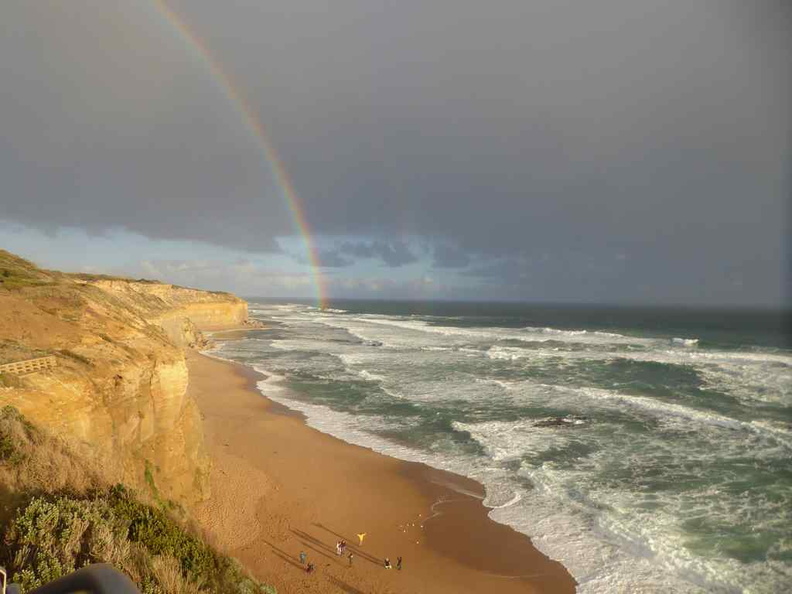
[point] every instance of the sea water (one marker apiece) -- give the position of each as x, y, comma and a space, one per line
646, 450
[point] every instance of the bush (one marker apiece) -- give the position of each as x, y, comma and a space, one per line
8, 452
52, 536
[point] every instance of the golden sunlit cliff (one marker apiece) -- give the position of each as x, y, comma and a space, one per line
120, 378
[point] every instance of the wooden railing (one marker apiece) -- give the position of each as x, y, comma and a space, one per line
29, 365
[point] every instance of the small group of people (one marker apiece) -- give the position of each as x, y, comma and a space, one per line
398, 563
310, 568
340, 550
341, 547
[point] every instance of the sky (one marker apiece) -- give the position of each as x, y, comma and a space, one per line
534, 150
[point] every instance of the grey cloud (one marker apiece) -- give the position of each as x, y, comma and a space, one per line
332, 259
597, 278
255, 280
450, 256
506, 129
247, 278
393, 254
109, 122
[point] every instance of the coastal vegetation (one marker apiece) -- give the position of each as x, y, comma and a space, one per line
57, 515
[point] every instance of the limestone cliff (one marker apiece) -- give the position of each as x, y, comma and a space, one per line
179, 311
121, 379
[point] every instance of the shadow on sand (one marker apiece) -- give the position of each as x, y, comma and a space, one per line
358, 552
318, 546
285, 556
345, 587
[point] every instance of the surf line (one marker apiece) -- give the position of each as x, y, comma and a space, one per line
237, 98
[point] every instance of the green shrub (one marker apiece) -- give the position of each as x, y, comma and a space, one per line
8, 451
148, 474
52, 536
47, 538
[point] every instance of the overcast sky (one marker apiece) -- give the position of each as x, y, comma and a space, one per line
614, 151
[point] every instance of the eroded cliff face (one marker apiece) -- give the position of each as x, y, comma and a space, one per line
121, 379
181, 312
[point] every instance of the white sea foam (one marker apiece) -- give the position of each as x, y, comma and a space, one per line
601, 547
599, 567
581, 333
356, 429
661, 409
372, 377
718, 366
752, 377
685, 342
575, 512
524, 335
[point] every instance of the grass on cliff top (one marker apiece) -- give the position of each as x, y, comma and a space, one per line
16, 272
92, 276
57, 514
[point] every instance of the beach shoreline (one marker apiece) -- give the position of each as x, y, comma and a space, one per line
280, 487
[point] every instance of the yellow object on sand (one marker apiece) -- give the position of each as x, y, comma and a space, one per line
361, 536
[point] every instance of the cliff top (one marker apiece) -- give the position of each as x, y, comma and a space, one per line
17, 272
46, 311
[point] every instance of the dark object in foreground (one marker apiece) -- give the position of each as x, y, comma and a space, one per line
100, 578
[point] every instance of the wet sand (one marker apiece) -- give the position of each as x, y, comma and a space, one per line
280, 487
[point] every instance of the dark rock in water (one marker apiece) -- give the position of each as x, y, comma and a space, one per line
555, 422
561, 422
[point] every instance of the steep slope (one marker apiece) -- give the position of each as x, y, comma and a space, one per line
58, 513
120, 380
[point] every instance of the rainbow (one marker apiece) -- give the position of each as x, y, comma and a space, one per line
237, 98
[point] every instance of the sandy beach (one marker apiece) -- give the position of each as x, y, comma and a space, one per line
280, 487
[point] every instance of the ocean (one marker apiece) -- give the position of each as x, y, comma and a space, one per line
648, 450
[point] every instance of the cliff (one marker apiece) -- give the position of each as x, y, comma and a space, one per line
120, 380
181, 312
58, 514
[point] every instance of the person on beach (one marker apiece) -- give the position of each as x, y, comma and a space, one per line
338, 548
303, 557
343, 547
361, 536
387, 563
398, 563
350, 557
311, 568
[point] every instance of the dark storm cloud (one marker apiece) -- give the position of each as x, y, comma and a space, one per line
108, 121
633, 148
450, 256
